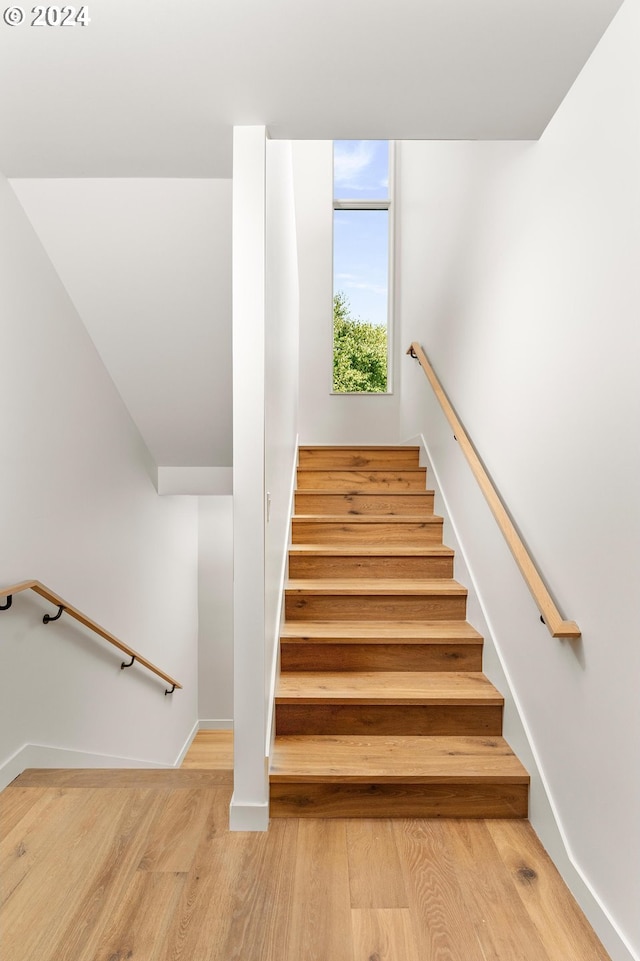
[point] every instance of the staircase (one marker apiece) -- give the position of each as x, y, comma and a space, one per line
382, 709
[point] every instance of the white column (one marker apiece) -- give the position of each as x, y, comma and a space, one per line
250, 802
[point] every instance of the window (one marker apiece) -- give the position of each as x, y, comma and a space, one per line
362, 250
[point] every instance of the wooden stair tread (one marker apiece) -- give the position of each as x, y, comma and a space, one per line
367, 448
376, 586
370, 518
372, 550
383, 759
363, 493
366, 470
386, 687
384, 632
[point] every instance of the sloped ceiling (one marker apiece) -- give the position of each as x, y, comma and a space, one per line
147, 264
152, 89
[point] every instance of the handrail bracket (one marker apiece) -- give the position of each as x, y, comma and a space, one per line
48, 618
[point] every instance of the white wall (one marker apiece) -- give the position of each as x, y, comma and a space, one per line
519, 277
281, 394
215, 612
147, 264
78, 511
327, 418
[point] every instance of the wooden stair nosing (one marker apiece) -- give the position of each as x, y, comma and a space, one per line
408, 760
373, 632
372, 550
323, 492
369, 518
365, 447
373, 688
378, 587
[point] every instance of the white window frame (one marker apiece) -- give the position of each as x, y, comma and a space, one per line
386, 204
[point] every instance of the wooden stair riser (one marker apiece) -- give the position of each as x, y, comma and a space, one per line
310, 717
311, 656
366, 504
399, 800
368, 565
409, 533
367, 607
352, 481
362, 458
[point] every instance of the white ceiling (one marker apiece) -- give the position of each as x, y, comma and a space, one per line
152, 88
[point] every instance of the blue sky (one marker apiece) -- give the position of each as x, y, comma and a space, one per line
360, 254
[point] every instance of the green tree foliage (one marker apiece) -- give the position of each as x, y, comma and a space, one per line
359, 352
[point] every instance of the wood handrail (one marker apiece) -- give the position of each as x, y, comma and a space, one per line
50, 595
557, 626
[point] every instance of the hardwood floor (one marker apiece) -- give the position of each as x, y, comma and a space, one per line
140, 866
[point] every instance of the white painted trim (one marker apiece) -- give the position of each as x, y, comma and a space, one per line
195, 480
362, 204
216, 724
275, 667
187, 744
248, 817
556, 844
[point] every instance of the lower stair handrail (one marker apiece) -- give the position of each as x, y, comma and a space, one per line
65, 608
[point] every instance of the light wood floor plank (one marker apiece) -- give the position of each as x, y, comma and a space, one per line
159, 779
99, 901
15, 803
320, 924
263, 896
72, 861
28, 843
202, 916
138, 930
436, 899
210, 750
561, 925
384, 935
174, 837
375, 874
502, 924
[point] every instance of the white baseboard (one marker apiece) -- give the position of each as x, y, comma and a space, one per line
216, 724
187, 744
248, 817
